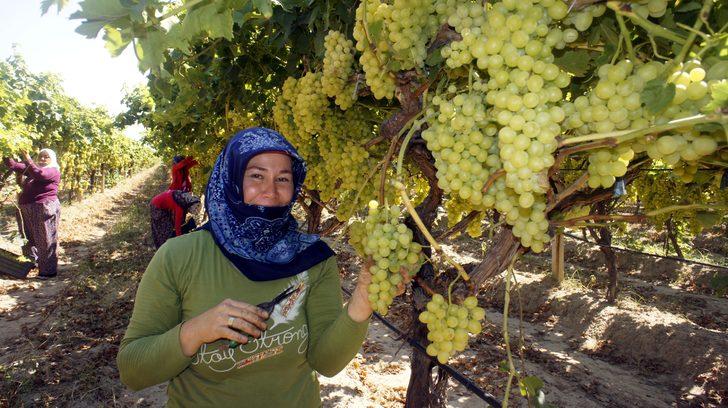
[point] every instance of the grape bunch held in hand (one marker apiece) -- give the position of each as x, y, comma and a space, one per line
388, 242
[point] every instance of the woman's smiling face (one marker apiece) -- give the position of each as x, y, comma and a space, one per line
268, 180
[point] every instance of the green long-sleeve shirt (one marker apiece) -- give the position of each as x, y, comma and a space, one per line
309, 331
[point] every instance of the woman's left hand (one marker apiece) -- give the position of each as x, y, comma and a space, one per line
26, 157
359, 306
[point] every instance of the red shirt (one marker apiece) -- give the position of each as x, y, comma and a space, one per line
165, 201
181, 174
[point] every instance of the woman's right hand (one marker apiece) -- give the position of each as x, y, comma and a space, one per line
220, 322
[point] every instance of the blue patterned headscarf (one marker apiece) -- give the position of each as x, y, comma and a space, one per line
262, 242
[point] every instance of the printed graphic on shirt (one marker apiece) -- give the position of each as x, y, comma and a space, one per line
219, 358
289, 309
260, 356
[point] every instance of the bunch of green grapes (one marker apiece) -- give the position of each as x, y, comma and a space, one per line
311, 103
283, 108
525, 95
614, 103
286, 122
448, 325
12, 143
406, 27
685, 172
690, 85
389, 244
683, 144
410, 25
475, 227
582, 19
455, 208
338, 67
650, 8
656, 191
374, 57
690, 145
467, 19
462, 141
527, 218
345, 159
509, 32
358, 236
607, 164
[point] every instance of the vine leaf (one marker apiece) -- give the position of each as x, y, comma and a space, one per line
265, 7
93, 10
657, 95
719, 96
116, 41
718, 70
435, 58
574, 62
689, 6
45, 5
707, 219
375, 30
151, 51
532, 388
207, 20
90, 29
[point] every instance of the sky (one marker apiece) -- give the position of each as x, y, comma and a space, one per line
49, 44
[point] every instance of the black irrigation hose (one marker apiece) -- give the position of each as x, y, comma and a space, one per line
674, 258
462, 379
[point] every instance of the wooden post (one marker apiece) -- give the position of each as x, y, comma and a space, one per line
557, 257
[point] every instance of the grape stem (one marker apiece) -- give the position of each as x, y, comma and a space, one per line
563, 154
424, 286
625, 135
649, 26
491, 180
177, 10
704, 12
625, 36
460, 225
687, 207
449, 289
635, 218
310, 196
433, 243
574, 187
599, 217
412, 125
714, 163
403, 148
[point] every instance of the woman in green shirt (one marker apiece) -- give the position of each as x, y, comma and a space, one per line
199, 290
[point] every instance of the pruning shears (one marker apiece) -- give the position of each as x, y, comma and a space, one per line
269, 306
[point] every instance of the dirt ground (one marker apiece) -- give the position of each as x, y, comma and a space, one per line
663, 344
